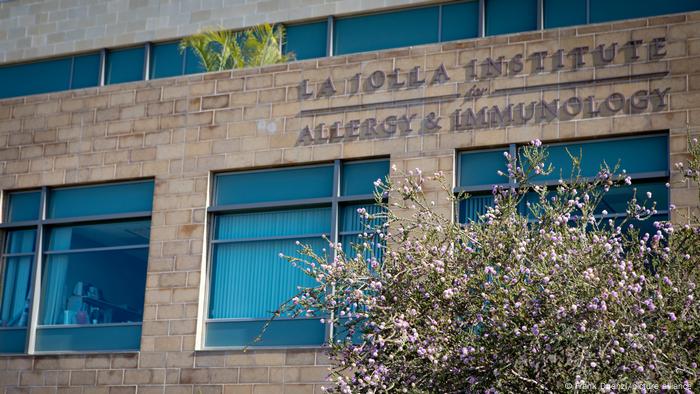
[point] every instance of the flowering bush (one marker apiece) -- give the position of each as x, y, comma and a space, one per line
553, 300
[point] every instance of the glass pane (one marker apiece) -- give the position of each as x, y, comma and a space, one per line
386, 30
166, 60
24, 206
274, 223
297, 332
616, 200
278, 185
358, 178
307, 41
460, 20
610, 10
481, 168
100, 200
20, 241
33, 78
635, 155
13, 340
559, 13
124, 65
510, 16
192, 63
250, 280
471, 208
93, 287
89, 236
351, 220
89, 338
86, 71
14, 310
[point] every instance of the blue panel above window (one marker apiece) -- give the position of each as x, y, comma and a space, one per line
307, 41
101, 200
460, 21
86, 71
510, 16
124, 65
479, 168
386, 30
610, 10
359, 177
635, 155
23, 206
560, 13
276, 185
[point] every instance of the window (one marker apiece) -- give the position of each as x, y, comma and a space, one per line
258, 214
91, 260
560, 13
610, 10
510, 16
48, 76
644, 158
307, 41
168, 61
125, 65
414, 26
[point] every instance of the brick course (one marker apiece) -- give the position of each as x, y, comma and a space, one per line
180, 130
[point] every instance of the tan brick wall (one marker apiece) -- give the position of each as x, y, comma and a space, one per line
180, 130
32, 29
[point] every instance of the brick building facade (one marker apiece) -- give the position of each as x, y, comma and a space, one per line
180, 131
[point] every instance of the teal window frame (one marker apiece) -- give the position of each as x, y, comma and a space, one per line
307, 332
481, 193
52, 338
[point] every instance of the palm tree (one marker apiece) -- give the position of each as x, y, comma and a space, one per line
220, 50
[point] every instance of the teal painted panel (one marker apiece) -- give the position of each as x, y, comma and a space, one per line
276, 223
386, 30
100, 200
101, 235
124, 65
635, 155
510, 16
12, 340
358, 177
478, 168
560, 13
460, 21
89, 338
86, 71
307, 41
277, 185
166, 60
251, 280
33, 78
24, 206
288, 332
610, 10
